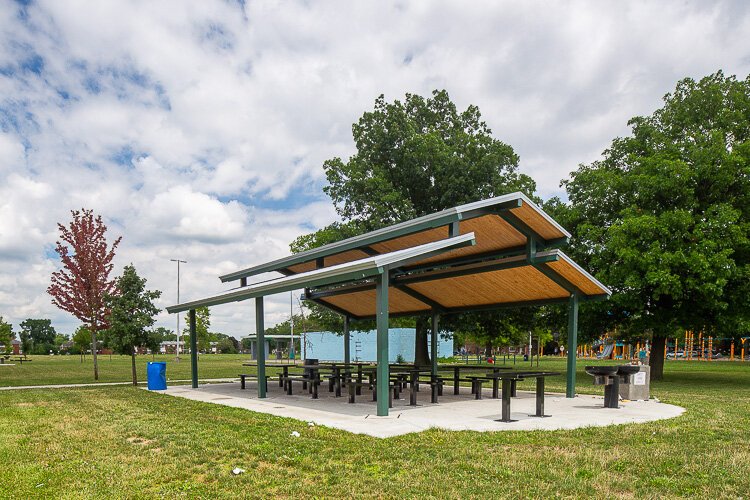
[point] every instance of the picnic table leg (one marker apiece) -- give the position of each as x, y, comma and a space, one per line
478, 393
337, 374
455, 380
350, 387
434, 387
314, 386
413, 391
495, 388
539, 398
359, 380
513, 388
506, 401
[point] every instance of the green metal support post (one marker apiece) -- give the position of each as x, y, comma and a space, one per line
347, 340
193, 349
570, 390
260, 346
381, 313
433, 342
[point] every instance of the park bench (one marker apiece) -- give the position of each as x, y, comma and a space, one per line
244, 376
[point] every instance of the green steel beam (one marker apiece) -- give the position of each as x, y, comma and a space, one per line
347, 341
420, 297
193, 349
260, 339
383, 376
558, 279
521, 226
479, 267
434, 340
469, 259
322, 302
570, 387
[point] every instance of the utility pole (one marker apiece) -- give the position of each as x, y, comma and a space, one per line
177, 342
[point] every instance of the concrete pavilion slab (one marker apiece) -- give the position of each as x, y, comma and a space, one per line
453, 412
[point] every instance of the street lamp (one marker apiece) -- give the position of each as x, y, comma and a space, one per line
177, 343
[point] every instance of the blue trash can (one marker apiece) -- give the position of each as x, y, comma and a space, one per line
156, 373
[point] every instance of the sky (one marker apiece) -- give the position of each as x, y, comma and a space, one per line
198, 130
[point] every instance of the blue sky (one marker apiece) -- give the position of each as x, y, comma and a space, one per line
199, 129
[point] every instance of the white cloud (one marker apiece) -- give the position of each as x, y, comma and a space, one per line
198, 130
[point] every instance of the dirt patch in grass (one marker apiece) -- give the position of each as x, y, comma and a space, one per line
140, 441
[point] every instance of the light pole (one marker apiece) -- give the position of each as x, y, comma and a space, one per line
177, 343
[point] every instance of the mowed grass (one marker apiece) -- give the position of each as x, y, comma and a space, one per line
117, 442
43, 370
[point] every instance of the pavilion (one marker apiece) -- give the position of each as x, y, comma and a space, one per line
500, 252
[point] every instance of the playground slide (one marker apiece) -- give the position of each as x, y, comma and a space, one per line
607, 352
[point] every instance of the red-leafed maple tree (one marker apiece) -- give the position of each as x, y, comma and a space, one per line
80, 286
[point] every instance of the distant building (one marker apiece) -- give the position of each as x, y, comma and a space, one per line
169, 346
15, 347
330, 346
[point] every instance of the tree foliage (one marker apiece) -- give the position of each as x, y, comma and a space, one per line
82, 340
414, 157
202, 324
80, 286
131, 314
37, 336
663, 218
6, 334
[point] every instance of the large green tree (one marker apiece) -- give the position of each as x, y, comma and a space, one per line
664, 217
37, 336
415, 157
131, 314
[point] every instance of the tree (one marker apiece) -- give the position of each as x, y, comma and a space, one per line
80, 286
414, 158
202, 324
37, 336
6, 335
131, 314
227, 345
165, 334
664, 217
82, 340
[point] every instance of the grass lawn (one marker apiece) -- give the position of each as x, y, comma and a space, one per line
127, 442
70, 370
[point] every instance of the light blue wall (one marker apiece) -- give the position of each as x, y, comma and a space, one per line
329, 346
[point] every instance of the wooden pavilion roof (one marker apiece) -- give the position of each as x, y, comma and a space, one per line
487, 254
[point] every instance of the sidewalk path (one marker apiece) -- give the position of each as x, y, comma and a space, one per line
99, 384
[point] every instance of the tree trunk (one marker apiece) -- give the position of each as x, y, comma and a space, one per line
656, 359
135, 376
93, 353
488, 349
421, 352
